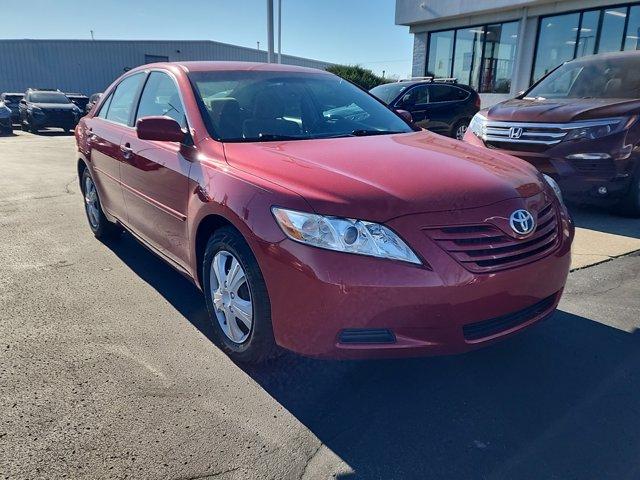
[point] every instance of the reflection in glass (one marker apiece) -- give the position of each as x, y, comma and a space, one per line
499, 57
588, 31
440, 54
612, 28
468, 55
556, 43
632, 40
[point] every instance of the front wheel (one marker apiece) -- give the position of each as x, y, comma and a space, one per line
101, 227
459, 129
237, 299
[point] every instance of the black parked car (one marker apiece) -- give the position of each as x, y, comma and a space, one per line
6, 126
48, 108
440, 105
93, 99
12, 102
79, 99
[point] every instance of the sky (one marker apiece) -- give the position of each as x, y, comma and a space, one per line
358, 32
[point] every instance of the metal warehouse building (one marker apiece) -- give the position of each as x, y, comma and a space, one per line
89, 66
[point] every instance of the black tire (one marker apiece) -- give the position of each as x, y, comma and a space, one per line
31, 128
24, 126
103, 229
260, 344
630, 204
458, 125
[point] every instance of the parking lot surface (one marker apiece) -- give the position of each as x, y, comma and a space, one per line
107, 369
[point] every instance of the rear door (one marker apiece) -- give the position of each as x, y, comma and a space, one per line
155, 175
446, 106
105, 134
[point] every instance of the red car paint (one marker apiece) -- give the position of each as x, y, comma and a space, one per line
415, 183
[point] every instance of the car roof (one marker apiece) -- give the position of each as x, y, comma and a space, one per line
607, 56
211, 66
13, 93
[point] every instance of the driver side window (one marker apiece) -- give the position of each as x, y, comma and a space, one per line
160, 97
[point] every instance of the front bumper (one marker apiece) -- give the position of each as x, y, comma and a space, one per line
59, 121
5, 123
582, 179
317, 294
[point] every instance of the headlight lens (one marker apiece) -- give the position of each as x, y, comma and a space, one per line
554, 185
477, 124
344, 235
592, 132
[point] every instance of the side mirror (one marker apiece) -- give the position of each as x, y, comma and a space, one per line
23, 102
162, 129
406, 116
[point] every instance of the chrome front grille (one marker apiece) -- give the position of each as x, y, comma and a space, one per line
543, 135
485, 248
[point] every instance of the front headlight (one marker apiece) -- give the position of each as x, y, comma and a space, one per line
344, 235
597, 130
477, 124
554, 185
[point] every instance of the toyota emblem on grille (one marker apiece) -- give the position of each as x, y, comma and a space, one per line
522, 222
515, 132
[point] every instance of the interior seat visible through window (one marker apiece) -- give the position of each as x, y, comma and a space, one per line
268, 111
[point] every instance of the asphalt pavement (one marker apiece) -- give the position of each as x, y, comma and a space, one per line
107, 369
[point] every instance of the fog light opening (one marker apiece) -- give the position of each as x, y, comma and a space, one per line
602, 190
366, 335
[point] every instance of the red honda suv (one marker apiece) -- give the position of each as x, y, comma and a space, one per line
337, 236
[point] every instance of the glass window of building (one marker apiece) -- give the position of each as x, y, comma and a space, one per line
588, 33
632, 39
467, 57
499, 57
612, 28
440, 54
556, 43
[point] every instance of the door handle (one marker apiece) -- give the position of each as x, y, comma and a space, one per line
126, 150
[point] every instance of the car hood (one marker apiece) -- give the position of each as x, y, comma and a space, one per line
54, 106
381, 177
561, 110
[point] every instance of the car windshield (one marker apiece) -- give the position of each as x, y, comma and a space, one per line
388, 91
606, 77
48, 97
262, 106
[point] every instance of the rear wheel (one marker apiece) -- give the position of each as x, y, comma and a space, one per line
237, 298
459, 129
101, 227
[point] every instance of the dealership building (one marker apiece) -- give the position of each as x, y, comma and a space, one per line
89, 66
501, 47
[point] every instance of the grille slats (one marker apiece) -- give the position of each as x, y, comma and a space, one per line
485, 248
494, 326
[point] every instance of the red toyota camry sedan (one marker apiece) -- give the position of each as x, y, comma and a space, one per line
316, 219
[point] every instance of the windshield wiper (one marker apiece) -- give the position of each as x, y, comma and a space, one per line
364, 133
267, 137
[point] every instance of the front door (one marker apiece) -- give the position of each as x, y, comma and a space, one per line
155, 175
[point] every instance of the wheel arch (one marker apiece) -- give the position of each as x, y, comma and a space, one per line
206, 227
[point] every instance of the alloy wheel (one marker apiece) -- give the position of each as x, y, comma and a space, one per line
91, 202
460, 132
231, 296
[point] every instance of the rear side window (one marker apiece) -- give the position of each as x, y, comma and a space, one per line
444, 93
122, 103
160, 97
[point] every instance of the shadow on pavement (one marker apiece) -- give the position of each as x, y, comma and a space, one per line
605, 220
557, 401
